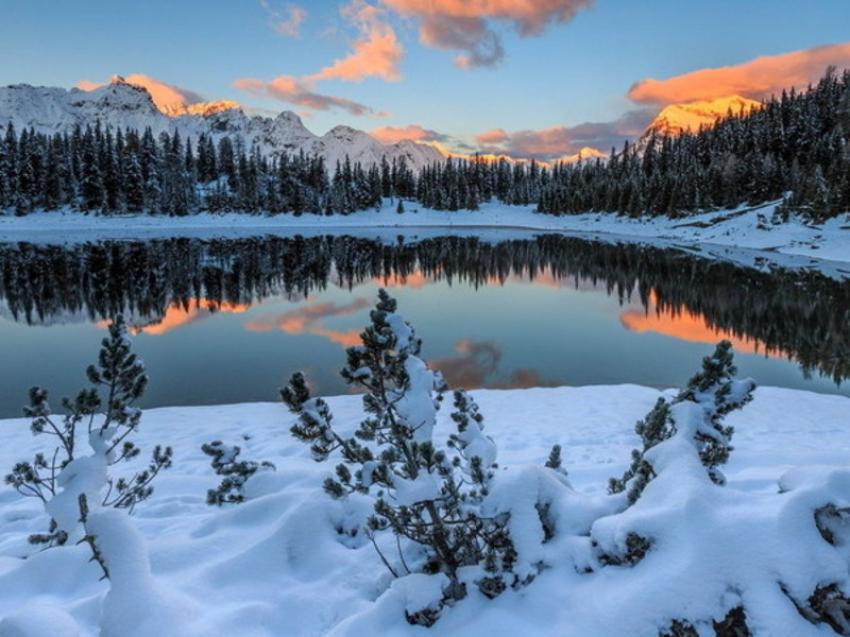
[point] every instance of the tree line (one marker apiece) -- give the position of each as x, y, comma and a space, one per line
796, 147
112, 171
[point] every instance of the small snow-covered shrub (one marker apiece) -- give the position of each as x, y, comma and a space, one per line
716, 392
71, 484
422, 494
234, 472
747, 563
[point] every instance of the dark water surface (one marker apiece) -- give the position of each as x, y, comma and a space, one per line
222, 321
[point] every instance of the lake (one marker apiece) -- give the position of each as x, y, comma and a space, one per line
226, 321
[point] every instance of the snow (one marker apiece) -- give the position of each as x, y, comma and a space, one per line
39, 620
124, 105
288, 561
744, 236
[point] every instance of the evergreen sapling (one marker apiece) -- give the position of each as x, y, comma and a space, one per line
422, 495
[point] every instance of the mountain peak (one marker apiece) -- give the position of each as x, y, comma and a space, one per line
205, 109
127, 104
290, 117
687, 117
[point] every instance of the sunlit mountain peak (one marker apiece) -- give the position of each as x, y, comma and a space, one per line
676, 119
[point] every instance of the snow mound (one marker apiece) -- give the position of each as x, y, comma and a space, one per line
291, 561
39, 620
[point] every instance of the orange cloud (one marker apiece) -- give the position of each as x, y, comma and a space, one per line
377, 52
394, 134
686, 326
308, 320
177, 315
168, 98
414, 280
294, 91
463, 25
756, 79
287, 20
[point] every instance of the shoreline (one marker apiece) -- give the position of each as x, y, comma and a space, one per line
741, 236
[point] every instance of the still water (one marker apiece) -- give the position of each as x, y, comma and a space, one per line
222, 321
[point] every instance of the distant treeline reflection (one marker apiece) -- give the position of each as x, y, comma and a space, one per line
801, 314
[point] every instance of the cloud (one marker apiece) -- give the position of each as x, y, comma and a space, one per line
469, 370
686, 325
309, 320
476, 362
566, 142
465, 25
168, 98
757, 79
495, 136
178, 314
394, 134
294, 91
376, 52
287, 20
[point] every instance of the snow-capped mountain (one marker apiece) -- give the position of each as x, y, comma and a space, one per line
676, 119
125, 105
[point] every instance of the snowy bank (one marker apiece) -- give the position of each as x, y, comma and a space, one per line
277, 564
713, 232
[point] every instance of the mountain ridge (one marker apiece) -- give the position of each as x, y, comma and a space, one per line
120, 104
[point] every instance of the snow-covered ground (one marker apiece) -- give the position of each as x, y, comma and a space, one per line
743, 235
276, 566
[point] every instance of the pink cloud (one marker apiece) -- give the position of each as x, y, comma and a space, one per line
757, 79
309, 320
294, 91
566, 143
376, 53
286, 20
464, 25
414, 132
495, 136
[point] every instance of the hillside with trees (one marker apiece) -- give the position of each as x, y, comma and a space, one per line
795, 148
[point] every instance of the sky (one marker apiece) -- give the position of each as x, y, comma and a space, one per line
540, 78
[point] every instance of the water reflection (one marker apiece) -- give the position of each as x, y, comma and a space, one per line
577, 297
686, 325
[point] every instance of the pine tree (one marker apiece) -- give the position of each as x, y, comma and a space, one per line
718, 392
68, 495
421, 495
234, 472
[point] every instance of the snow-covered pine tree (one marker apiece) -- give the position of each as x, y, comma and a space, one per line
421, 495
716, 390
71, 485
234, 472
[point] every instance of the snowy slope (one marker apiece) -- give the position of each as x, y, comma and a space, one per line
120, 104
275, 566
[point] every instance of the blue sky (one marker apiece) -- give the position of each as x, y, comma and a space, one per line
569, 72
